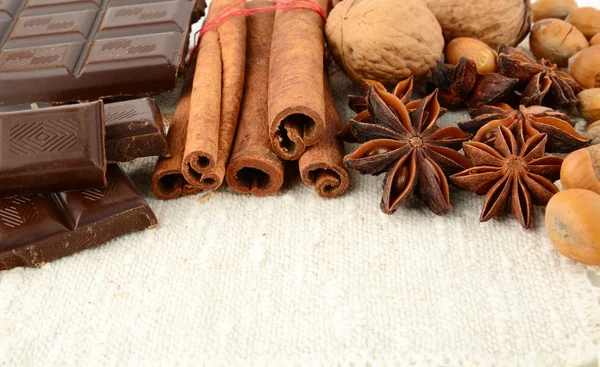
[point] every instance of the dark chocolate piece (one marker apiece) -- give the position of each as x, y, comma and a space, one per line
199, 8
78, 50
52, 149
42, 228
134, 129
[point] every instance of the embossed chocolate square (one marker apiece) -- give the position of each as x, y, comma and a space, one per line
52, 149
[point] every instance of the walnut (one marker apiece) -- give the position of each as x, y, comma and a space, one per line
384, 40
492, 21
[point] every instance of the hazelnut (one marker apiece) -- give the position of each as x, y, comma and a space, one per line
589, 104
543, 9
581, 170
482, 54
593, 132
584, 66
595, 40
586, 19
556, 40
572, 225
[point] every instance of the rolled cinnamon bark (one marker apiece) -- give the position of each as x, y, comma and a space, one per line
322, 165
167, 181
296, 107
216, 99
254, 168
202, 140
232, 37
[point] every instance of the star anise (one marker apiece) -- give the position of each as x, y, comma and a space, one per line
540, 82
403, 90
562, 136
461, 84
410, 147
358, 104
514, 170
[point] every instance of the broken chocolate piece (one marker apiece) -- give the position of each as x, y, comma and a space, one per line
52, 149
134, 129
42, 228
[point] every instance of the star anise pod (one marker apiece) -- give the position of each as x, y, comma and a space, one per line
562, 136
358, 104
403, 90
514, 170
410, 147
541, 82
461, 84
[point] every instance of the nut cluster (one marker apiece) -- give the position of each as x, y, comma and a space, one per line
571, 215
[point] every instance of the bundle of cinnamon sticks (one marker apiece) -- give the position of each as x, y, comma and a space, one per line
255, 97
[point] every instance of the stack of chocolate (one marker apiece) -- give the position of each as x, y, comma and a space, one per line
61, 190
257, 100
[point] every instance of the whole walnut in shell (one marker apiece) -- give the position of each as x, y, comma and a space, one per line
384, 40
492, 21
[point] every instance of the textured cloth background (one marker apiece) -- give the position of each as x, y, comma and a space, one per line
231, 279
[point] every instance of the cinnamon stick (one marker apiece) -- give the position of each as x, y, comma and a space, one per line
167, 181
322, 166
232, 37
205, 112
254, 168
296, 107
216, 100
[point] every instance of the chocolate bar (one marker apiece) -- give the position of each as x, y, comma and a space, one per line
52, 149
61, 148
81, 50
39, 229
134, 129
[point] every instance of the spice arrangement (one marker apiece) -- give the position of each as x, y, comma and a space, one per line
520, 108
410, 148
257, 102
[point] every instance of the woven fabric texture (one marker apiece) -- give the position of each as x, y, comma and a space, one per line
227, 279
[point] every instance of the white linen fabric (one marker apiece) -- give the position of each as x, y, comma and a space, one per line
227, 279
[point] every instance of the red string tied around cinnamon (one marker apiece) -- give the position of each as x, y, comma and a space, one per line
234, 11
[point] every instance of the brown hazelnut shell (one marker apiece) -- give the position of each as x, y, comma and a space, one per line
482, 54
593, 132
584, 66
589, 104
544, 9
581, 170
572, 225
586, 19
556, 40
